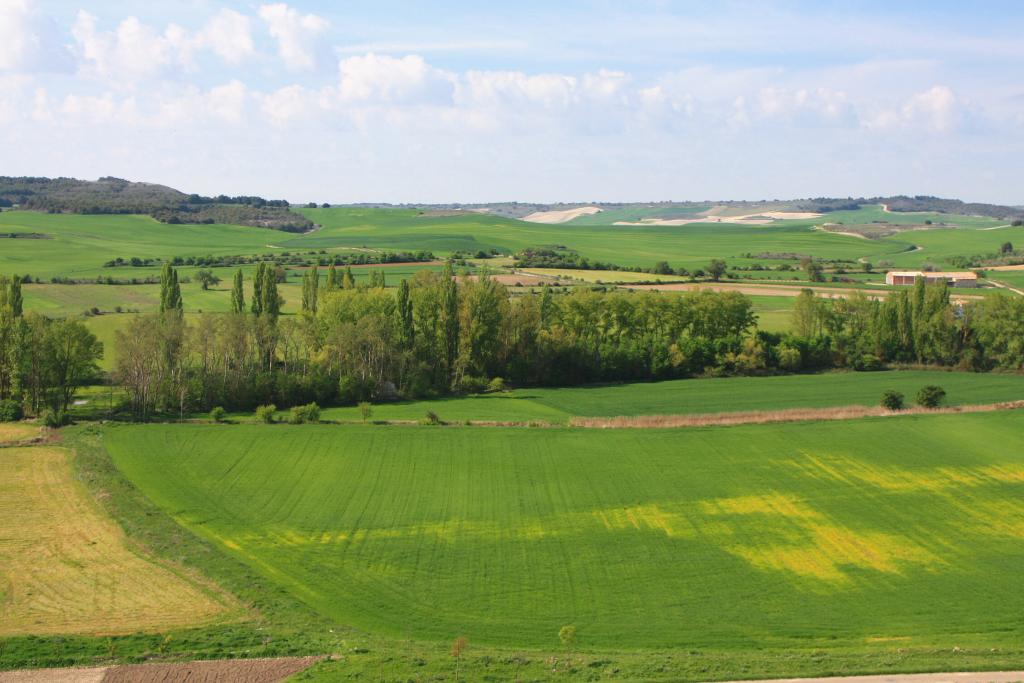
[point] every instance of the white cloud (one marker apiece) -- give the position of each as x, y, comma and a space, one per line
135, 51
227, 102
295, 33
938, 108
17, 41
229, 35
500, 89
379, 79
29, 39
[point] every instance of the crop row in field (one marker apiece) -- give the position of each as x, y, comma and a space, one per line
814, 535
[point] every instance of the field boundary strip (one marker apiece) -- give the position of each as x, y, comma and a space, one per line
769, 416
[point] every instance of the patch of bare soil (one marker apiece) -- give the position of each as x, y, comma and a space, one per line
214, 671
77, 675
249, 670
766, 416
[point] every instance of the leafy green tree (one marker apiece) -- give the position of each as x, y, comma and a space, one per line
1006, 248
238, 293
72, 354
207, 278
14, 298
271, 300
332, 278
716, 269
170, 290
812, 269
406, 330
449, 318
348, 281
662, 268
258, 281
310, 286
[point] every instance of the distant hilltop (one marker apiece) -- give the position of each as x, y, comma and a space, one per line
166, 204
682, 210
114, 195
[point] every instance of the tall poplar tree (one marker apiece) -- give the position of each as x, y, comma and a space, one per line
406, 332
238, 293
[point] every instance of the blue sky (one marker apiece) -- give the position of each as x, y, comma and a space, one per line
534, 101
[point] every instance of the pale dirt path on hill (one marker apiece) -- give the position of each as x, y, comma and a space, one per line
963, 677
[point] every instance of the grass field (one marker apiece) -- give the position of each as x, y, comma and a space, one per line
65, 568
13, 432
79, 245
813, 536
690, 396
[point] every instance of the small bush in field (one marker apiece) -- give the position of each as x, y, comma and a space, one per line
931, 396
892, 399
265, 414
218, 414
303, 414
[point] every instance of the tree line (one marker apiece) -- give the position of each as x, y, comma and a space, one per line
438, 333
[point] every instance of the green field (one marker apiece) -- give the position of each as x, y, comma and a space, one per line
79, 244
830, 536
690, 396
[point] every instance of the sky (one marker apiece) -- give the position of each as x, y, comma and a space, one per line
575, 101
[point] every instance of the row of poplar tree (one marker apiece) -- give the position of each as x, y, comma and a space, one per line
439, 333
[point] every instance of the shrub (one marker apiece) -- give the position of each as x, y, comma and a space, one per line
10, 410
303, 414
265, 414
931, 396
496, 384
431, 418
365, 410
54, 418
472, 385
892, 399
218, 414
790, 358
868, 362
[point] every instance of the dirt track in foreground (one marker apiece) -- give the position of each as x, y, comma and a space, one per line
249, 670
963, 677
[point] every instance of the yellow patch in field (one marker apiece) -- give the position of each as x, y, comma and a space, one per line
13, 432
830, 551
645, 517
65, 567
769, 504
994, 517
1013, 474
801, 540
888, 478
